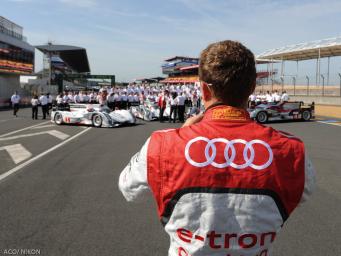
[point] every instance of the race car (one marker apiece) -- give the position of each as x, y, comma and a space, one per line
294, 110
148, 111
88, 114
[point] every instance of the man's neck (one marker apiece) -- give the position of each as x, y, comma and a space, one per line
214, 102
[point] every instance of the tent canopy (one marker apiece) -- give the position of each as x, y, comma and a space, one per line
304, 51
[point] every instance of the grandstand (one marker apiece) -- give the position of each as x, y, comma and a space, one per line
16, 58
185, 70
181, 69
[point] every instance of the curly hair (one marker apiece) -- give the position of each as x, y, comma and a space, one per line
229, 67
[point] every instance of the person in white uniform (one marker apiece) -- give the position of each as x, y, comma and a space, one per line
44, 104
15, 100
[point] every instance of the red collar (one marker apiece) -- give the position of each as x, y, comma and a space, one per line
226, 113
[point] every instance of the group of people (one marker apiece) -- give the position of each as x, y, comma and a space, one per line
44, 101
177, 97
267, 97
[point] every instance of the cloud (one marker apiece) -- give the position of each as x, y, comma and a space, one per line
19, 1
128, 34
126, 14
80, 3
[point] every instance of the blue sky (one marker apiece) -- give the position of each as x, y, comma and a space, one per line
132, 38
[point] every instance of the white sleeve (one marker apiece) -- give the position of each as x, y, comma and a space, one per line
310, 180
133, 179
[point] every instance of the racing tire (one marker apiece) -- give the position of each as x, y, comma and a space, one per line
306, 115
97, 120
58, 118
262, 117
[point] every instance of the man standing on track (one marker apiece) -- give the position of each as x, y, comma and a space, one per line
35, 103
44, 105
181, 107
49, 104
15, 100
223, 184
162, 103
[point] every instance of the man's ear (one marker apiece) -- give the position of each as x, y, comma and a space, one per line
206, 91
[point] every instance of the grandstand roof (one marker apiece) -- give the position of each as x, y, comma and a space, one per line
150, 80
73, 56
265, 61
330, 47
181, 57
190, 67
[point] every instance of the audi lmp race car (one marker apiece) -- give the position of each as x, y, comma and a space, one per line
88, 114
295, 110
148, 111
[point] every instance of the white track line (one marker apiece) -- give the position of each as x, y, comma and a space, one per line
44, 126
336, 124
5, 120
55, 133
17, 168
17, 152
24, 129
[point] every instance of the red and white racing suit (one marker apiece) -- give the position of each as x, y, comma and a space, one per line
223, 186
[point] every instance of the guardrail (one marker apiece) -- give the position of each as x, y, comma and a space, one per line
304, 86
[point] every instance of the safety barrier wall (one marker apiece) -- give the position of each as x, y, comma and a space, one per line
303, 90
319, 100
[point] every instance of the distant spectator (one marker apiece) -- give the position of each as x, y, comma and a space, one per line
15, 99
268, 97
49, 104
252, 100
124, 100
276, 97
66, 98
35, 103
110, 100
76, 98
173, 102
85, 97
130, 99
44, 104
59, 99
162, 103
285, 97
181, 107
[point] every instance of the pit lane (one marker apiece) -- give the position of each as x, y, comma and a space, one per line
68, 203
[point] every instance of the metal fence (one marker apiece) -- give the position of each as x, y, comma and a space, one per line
302, 85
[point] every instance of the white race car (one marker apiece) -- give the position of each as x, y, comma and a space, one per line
149, 111
88, 114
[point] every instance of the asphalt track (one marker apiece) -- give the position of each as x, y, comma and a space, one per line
67, 202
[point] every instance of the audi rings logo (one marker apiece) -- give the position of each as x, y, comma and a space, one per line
248, 153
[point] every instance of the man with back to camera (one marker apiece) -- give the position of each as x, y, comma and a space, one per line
223, 184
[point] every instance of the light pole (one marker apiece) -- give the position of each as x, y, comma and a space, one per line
322, 76
272, 84
294, 82
282, 82
340, 83
307, 77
